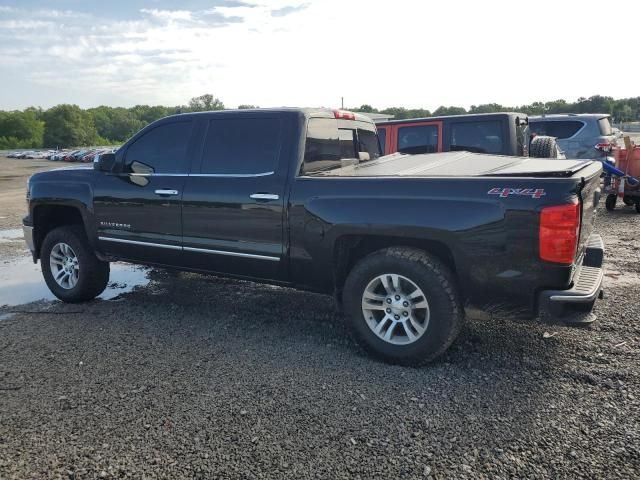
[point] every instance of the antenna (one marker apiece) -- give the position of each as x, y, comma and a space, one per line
342, 102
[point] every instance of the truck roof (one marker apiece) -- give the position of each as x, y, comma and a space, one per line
319, 112
567, 116
467, 116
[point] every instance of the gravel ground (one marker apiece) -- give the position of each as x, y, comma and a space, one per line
200, 377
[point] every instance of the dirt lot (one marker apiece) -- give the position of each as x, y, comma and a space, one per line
13, 179
199, 377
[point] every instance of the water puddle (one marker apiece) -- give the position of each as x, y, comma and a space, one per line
21, 281
11, 235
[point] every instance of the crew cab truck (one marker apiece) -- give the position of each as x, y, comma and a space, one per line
303, 198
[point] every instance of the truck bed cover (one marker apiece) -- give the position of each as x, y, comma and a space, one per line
460, 164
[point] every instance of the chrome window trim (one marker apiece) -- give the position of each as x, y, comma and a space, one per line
191, 249
233, 175
214, 175
231, 254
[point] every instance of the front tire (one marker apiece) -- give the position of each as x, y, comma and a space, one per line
70, 268
402, 306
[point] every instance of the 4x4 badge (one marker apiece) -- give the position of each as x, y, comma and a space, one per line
528, 192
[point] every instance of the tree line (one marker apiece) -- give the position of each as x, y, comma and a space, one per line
67, 125
622, 110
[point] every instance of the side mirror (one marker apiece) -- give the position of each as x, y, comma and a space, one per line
104, 162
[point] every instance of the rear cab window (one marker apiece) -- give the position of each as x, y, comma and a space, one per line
477, 137
334, 143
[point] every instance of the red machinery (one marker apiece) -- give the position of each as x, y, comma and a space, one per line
623, 179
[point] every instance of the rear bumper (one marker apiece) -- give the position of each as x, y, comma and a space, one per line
587, 285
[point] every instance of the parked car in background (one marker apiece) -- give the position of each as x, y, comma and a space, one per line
85, 154
77, 157
70, 156
59, 155
587, 136
494, 133
91, 156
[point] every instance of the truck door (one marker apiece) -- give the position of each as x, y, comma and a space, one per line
138, 207
233, 201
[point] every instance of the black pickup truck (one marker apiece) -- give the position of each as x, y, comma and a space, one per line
303, 198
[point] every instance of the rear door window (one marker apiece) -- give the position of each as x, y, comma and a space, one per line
241, 146
160, 150
418, 139
605, 126
478, 137
561, 129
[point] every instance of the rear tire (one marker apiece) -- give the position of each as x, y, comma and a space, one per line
402, 306
70, 268
638, 206
543, 147
628, 201
610, 202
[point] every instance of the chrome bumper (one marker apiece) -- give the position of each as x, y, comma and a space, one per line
28, 237
587, 282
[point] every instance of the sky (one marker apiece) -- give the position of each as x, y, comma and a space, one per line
314, 52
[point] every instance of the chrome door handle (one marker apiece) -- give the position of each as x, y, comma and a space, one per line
264, 196
166, 192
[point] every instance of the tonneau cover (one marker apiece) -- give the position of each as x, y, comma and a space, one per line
459, 164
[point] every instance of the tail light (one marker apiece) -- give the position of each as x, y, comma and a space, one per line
344, 115
604, 147
558, 235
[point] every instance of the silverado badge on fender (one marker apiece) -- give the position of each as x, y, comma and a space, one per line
115, 225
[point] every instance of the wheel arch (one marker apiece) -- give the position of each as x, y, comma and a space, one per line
350, 249
46, 217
